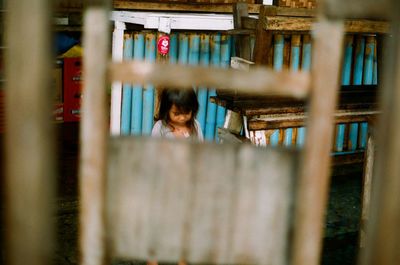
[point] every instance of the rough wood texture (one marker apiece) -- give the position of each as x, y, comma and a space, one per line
383, 233
214, 204
29, 136
262, 80
367, 188
281, 23
314, 170
93, 137
186, 7
275, 121
296, 3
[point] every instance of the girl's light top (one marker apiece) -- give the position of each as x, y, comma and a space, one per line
161, 129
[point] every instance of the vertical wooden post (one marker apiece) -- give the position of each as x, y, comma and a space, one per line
382, 230
240, 10
29, 138
94, 134
314, 170
367, 186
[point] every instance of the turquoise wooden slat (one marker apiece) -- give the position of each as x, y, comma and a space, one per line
148, 93
127, 89
202, 93
346, 77
173, 48
212, 107
279, 44
357, 80
137, 91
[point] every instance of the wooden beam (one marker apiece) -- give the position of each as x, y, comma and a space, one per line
279, 121
30, 172
186, 7
376, 9
279, 23
313, 183
93, 136
287, 11
262, 80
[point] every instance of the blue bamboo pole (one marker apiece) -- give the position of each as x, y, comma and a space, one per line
225, 63
202, 93
346, 77
279, 44
212, 107
294, 66
194, 49
173, 48
137, 91
126, 105
375, 77
148, 93
183, 51
305, 66
368, 78
357, 80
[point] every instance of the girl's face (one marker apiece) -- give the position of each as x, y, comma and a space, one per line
177, 117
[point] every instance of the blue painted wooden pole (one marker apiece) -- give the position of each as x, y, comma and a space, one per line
183, 51
367, 80
137, 91
173, 48
305, 66
194, 49
148, 93
346, 77
357, 80
279, 44
202, 93
294, 66
225, 63
127, 89
212, 107
375, 77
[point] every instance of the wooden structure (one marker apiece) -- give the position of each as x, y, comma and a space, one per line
25, 181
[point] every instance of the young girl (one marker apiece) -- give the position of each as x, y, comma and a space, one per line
176, 119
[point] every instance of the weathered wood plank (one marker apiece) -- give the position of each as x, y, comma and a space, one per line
262, 79
275, 121
186, 7
314, 176
280, 23
30, 174
93, 135
203, 203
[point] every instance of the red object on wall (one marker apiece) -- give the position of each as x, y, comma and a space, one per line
72, 89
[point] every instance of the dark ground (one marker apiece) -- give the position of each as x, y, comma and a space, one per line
341, 230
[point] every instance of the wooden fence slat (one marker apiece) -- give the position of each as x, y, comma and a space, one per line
29, 138
314, 171
93, 136
206, 203
262, 80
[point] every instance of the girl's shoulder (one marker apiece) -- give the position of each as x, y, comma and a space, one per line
159, 128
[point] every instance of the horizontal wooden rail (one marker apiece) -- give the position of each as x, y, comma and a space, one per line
281, 23
186, 7
259, 80
279, 121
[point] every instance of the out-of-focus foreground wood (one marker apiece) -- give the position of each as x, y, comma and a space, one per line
382, 229
30, 163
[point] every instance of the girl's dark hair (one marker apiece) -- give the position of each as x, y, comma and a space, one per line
184, 99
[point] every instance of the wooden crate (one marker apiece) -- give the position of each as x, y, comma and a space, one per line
296, 3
